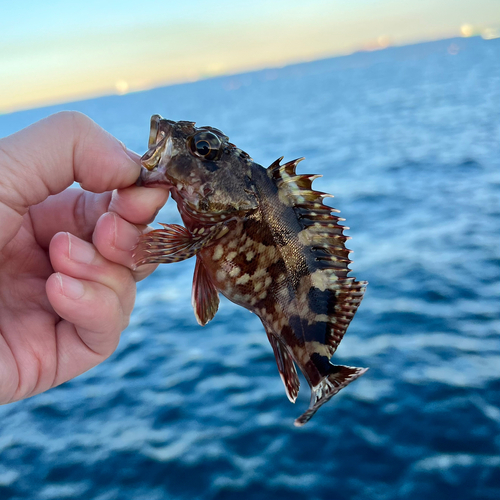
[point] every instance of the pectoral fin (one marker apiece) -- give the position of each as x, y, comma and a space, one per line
173, 243
286, 367
205, 297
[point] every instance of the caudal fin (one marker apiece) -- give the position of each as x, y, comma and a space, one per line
328, 387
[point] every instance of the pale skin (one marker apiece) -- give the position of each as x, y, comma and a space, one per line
67, 284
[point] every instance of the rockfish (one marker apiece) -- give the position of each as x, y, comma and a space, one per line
265, 240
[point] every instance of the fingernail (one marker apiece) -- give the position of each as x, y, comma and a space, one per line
80, 251
131, 154
126, 235
70, 287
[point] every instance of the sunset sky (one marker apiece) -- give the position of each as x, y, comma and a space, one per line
65, 50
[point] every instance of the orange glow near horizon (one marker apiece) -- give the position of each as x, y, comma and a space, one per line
62, 63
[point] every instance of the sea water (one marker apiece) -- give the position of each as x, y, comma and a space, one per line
408, 141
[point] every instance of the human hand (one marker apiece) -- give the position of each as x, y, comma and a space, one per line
66, 284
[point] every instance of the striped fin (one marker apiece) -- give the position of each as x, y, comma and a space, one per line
204, 295
328, 387
325, 237
173, 243
348, 297
298, 187
286, 367
346, 293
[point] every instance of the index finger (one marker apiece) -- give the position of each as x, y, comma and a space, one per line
47, 157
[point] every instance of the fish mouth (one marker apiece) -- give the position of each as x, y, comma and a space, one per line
155, 160
153, 175
149, 178
154, 129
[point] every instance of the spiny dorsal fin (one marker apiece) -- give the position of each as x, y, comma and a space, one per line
303, 181
323, 234
275, 165
295, 189
277, 171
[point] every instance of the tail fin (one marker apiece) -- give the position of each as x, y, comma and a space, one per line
328, 387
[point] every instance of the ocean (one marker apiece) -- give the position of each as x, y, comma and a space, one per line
408, 141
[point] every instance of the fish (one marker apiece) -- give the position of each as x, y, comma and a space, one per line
264, 239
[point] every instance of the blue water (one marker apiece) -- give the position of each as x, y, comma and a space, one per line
408, 140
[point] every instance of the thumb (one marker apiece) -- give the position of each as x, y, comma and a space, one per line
47, 157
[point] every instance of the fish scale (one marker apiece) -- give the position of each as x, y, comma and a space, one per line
265, 240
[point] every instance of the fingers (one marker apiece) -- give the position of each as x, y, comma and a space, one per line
51, 154
80, 260
138, 205
94, 298
115, 239
76, 211
47, 157
83, 214
90, 329
94, 310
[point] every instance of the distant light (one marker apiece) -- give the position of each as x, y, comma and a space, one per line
383, 41
466, 30
214, 69
490, 33
453, 49
121, 87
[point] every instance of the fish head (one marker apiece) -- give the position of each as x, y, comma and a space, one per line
207, 175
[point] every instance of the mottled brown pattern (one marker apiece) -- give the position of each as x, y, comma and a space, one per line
277, 250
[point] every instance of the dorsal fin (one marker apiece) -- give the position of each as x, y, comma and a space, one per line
324, 235
277, 171
275, 165
349, 295
327, 242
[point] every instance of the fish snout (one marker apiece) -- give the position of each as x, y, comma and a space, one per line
155, 177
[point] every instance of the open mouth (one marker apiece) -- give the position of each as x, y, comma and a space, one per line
157, 157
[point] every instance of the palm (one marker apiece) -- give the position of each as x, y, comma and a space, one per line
27, 320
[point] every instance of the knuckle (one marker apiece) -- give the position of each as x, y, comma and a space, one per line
73, 118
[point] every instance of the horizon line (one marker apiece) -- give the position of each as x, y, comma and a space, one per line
123, 87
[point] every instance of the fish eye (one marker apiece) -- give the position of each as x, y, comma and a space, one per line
205, 145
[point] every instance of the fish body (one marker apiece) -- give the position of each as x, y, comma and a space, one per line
265, 240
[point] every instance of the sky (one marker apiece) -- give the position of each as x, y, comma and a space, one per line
62, 51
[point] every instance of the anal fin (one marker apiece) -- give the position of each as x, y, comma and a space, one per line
339, 377
205, 297
286, 367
